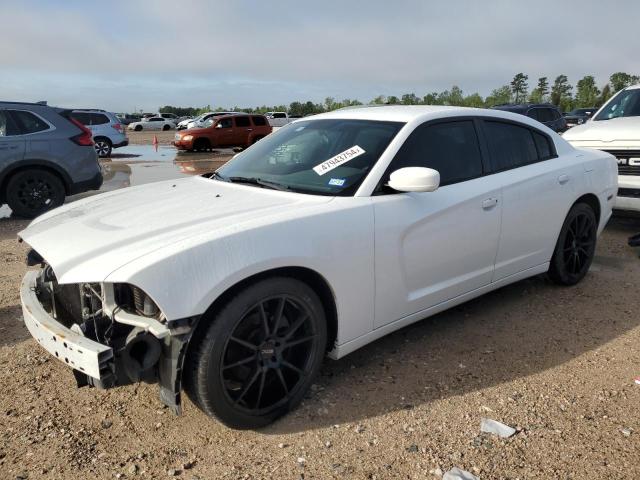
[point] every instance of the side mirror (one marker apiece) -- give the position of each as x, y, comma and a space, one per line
415, 179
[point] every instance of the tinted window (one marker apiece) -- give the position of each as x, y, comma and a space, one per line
510, 146
28, 122
156, 119
225, 123
544, 146
535, 114
451, 148
7, 127
259, 121
242, 122
86, 118
279, 115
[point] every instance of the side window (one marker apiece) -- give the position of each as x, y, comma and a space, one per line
242, 121
535, 114
225, 123
548, 115
543, 144
98, 119
28, 122
510, 146
81, 117
279, 115
451, 148
156, 119
259, 121
7, 127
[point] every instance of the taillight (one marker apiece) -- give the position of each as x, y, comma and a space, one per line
85, 139
119, 127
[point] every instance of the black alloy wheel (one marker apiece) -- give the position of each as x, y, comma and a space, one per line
260, 355
576, 246
32, 192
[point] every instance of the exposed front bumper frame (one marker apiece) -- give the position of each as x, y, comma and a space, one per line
68, 346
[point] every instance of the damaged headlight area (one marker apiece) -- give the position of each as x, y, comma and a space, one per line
142, 344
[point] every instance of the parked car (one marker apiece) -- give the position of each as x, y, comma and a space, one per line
169, 116
615, 128
278, 119
45, 154
547, 114
108, 133
205, 119
152, 123
224, 132
578, 116
322, 237
127, 118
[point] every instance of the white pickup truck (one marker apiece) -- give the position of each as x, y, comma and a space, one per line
278, 119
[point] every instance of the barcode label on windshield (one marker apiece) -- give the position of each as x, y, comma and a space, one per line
339, 159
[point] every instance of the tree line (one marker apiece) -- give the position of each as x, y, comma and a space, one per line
560, 93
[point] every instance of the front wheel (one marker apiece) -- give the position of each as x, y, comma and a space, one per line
259, 355
576, 246
32, 192
138, 128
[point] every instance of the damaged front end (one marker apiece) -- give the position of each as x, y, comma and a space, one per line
110, 334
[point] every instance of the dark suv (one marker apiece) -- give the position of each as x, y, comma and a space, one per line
45, 154
545, 113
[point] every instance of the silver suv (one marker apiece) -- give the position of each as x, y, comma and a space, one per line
45, 154
108, 132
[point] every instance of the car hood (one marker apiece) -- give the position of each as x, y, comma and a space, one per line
85, 241
622, 128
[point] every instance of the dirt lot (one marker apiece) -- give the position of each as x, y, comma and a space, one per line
146, 137
557, 363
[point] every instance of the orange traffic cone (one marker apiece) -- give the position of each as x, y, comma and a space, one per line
155, 142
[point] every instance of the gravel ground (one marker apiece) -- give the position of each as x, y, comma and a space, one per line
146, 137
555, 363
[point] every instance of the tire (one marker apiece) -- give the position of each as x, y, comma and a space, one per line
259, 355
103, 147
165, 128
201, 144
256, 139
575, 247
32, 192
138, 128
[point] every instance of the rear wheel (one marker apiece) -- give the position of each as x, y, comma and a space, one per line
103, 147
259, 355
33, 192
166, 127
138, 128
576, 246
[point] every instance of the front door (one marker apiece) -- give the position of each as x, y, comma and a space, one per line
434, 246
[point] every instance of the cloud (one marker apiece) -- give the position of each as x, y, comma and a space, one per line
244, 51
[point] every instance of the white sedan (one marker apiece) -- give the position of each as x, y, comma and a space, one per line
322, 237
152, 123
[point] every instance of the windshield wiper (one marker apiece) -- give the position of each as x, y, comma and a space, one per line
218, 176
259, 182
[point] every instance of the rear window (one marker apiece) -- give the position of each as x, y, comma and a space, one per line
243, 122
88, 119
543, 145
511, 146
7, 127
28, 122
259, 121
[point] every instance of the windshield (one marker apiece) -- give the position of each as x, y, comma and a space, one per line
322, 157
625, 104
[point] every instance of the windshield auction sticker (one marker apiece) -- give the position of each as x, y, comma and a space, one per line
339, 159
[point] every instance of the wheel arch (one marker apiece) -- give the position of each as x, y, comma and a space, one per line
306, 275
35, 165
591, 200
103, 137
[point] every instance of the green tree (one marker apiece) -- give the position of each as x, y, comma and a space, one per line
604, 95
587, 92
539, 94
519, 87
473, 100
410, 99
561, 92
430, 99
620, 80
499, 96
379, 100
392, 100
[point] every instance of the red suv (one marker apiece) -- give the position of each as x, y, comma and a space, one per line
224, 132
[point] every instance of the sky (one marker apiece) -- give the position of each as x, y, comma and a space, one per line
135, 55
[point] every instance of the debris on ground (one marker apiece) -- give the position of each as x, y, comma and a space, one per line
488, 425
458, 474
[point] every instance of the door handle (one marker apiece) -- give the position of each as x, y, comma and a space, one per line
489, 203
562, 179
249, 129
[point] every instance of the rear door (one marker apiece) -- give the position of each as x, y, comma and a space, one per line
34, 128
12, 145
431, 247
242, 130
536, 188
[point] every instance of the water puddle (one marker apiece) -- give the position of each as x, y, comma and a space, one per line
139, 164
